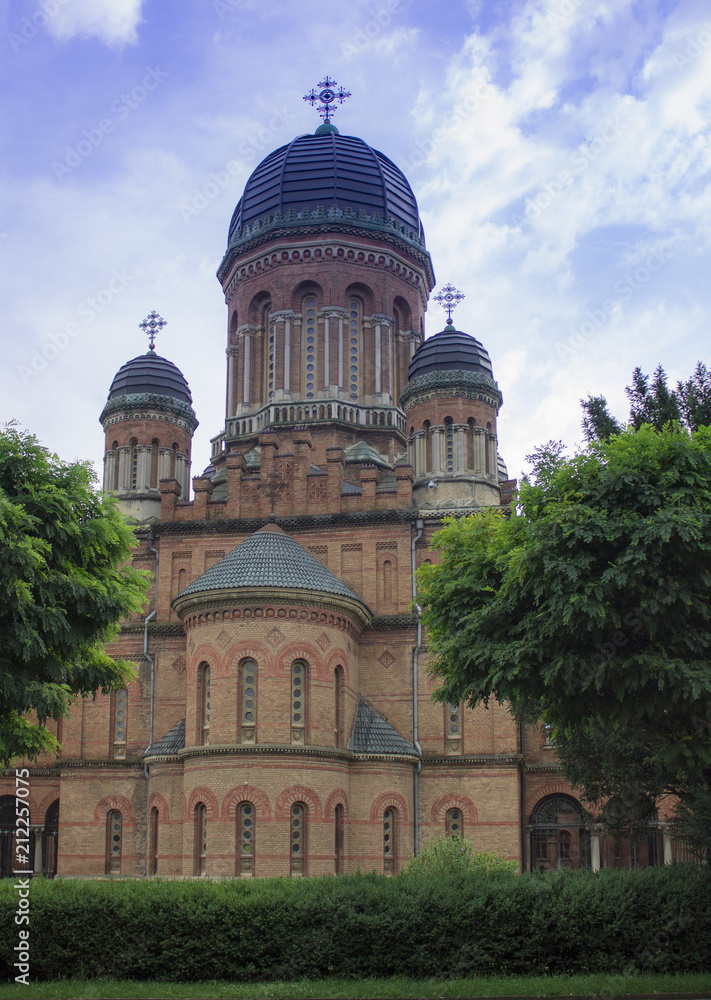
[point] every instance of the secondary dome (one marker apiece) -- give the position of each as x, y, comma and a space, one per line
150, 373
450, 350
325, 171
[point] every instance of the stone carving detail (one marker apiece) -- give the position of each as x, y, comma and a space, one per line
275, 637
387, 659
318, 489
323, 641
178, 665
223, 638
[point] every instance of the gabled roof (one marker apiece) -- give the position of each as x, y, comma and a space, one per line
170, 743
361, 453
373, 734
269, 558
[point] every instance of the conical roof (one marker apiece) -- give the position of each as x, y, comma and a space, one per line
373, 734
269, 558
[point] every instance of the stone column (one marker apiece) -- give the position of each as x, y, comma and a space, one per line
287, 355
109, 466
143, 477
460, 447
340, 352
595, 852
164, 457
326, 354
124, 459
479, 446
378, 361
247, 341
231, 355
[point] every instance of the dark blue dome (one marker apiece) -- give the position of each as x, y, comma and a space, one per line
323, 171
450, 350
150, 373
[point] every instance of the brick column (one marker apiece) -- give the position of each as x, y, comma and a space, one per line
303, 443
335, 460
236, 467
169, 493
369, 477
202, 488
404, 477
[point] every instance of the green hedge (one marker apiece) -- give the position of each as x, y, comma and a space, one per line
654, 920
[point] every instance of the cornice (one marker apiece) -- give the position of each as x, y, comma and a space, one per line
447, 384
467, 760
290, 524
154, 628
251, 603
151, 407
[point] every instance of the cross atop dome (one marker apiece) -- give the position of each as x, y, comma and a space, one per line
327, 97
449, 298
151, 326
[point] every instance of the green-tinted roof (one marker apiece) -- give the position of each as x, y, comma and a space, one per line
269, 558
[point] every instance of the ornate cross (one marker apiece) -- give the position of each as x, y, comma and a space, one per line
449, 298
327, 96
271, 486
151, 325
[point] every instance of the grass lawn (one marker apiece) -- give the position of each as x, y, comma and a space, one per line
597, 986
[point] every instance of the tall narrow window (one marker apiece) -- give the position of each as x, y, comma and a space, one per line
245, 839
389, 842
248, 700
153, 843
298, 701
453, 823
269, 335
471, 424
387, 583
338, 831
355, 320
309, 328
200, 838
453, 728
428, 446
133, 444
50, 838
119, 723
182, 580
155, 455
338, 706
117, 466
449, 443
298, 839
204, 699
114, 833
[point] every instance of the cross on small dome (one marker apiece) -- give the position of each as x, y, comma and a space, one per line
152, 325
449, 298
327, 96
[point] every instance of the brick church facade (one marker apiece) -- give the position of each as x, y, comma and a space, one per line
280, 722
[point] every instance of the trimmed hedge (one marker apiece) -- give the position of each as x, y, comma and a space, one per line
653, 920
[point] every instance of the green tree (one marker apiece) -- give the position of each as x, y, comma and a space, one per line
443, 856
64, 586
589, 607
598, 422
694, 398
652, 404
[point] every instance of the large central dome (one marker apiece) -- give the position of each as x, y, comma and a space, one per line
322, 172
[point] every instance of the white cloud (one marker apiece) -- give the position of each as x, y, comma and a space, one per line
114, 22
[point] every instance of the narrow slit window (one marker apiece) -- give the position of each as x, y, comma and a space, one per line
114, 837
389, 842
245, 839
298, 839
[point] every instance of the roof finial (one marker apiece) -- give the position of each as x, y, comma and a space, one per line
327, 96
152, 325
449, 298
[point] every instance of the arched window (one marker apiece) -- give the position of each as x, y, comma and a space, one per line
428, 446
182, 580
200, 838
120, 718
471, 424
114, 837
7, 835
269, 334
133, 445
117, 466
389, 822
50, 837
338, 705
248, 700
338, 834
449, 443
559, 838
204, 703
155, 455
353, 374
298, 839
245, 839
299, 695
387, 582
309, 346
453, 728
453, 823
153, 843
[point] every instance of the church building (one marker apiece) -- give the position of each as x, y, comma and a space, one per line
281, 721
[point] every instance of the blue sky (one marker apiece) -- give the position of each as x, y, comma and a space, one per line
559, 151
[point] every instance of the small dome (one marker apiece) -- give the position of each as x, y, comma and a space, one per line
325, 170
150, 373
450, 350
269, 558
